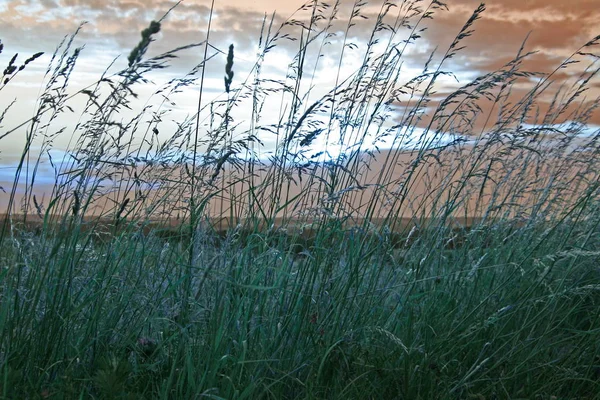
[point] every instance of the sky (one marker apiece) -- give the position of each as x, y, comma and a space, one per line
556, 29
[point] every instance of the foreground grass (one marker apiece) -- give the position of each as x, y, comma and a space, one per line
114, 284
510, 312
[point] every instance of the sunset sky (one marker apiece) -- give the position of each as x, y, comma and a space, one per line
557, 27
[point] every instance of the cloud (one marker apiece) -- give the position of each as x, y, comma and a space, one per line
557, 29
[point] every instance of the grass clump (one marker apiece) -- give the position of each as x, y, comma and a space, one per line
188, 265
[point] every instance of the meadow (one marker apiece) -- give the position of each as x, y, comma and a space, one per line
447, 249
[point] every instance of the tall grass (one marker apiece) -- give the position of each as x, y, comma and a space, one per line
462, 263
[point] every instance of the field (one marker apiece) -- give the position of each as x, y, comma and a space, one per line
459, 262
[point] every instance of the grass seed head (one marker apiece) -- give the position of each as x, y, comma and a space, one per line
228, 69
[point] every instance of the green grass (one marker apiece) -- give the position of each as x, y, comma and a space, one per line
123, 285
352, 317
